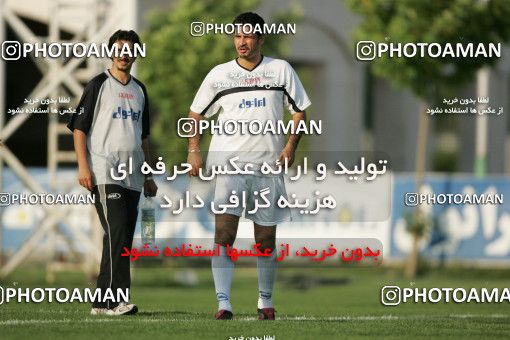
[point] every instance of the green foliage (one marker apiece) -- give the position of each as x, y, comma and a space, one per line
417, 223
444, 160
177, 63
439, 21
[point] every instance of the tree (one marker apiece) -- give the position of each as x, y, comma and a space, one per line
177, 62
416, 21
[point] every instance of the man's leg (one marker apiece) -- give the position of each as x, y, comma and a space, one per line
132, 200
265, 221
102, 278
114, 271
223, 266
266, 266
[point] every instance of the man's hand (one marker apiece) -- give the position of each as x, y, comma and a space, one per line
290, 148
80, 146
150, 188
195, 159
287, 152
194, 155
85, 177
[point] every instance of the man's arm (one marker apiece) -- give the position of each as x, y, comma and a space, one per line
292, 144
194, 155
80, 147
149, 186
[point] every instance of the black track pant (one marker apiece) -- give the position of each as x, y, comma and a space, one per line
117, 208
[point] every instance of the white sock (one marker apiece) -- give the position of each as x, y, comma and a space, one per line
223, 271
266, 268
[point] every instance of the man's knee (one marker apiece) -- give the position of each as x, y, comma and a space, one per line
265, 235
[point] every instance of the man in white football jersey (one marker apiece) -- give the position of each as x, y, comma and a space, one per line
250, 88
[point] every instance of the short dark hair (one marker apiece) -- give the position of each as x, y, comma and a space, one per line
124, 35
251, 19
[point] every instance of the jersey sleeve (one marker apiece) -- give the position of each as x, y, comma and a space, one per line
206, 99
84, 115
146, 110
296, 99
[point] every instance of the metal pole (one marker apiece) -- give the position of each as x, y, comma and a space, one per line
482, 123
3, 111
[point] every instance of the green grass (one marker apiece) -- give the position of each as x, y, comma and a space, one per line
349, 307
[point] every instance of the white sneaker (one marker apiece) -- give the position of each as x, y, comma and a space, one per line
98, 311
123, 309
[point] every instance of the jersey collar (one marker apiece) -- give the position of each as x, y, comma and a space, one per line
118, 81
244, 68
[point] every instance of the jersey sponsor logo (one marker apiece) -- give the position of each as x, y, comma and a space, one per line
255, 102
126, 95
125, 114
114, 195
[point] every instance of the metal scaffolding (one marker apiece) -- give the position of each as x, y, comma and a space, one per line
98, 20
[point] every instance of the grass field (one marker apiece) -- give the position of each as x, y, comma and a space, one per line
310, 303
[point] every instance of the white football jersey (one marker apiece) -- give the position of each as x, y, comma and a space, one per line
115, 118
235, 93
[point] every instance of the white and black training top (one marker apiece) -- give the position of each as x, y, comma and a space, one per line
115, 118
260, 94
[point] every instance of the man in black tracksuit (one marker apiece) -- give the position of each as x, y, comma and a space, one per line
110, 127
